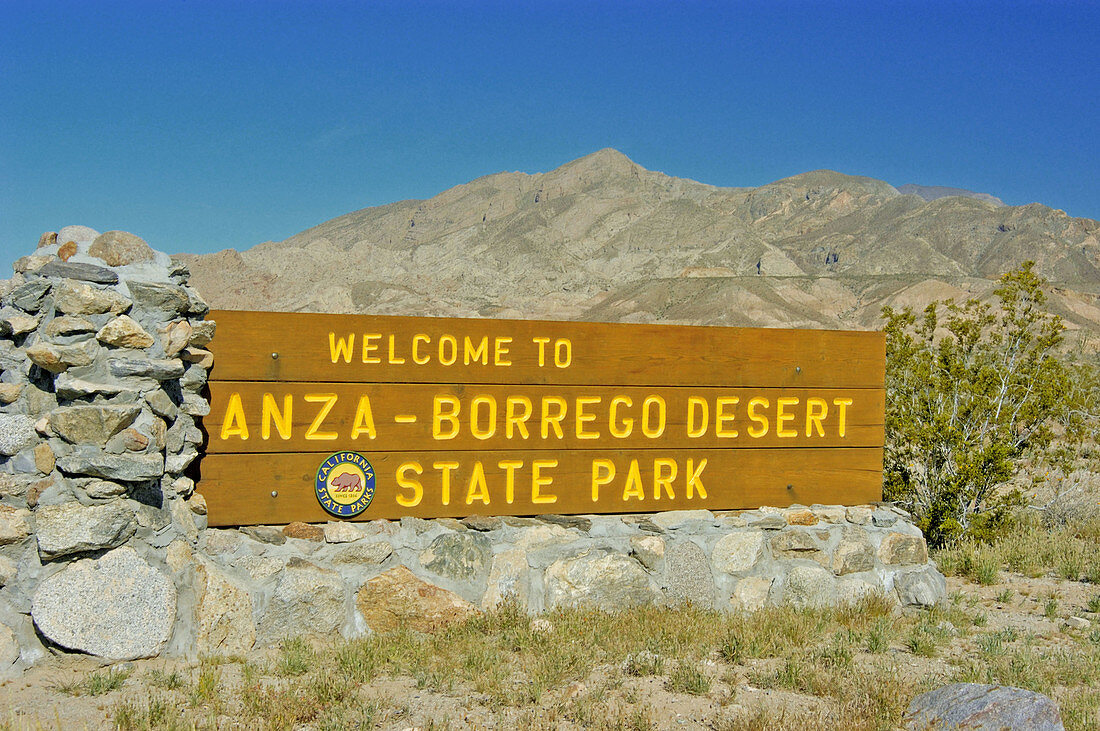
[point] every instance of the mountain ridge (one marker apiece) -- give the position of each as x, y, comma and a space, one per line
604, 238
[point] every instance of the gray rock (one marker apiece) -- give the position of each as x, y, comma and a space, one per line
116, 606
58, 358
72, 386
77, 234
264, 534
509, 576
78, 270
223, 612
16, 433
8, 571
649, 550
28, 296
365, 553
102, 489
738, 551
124, 332
810, 586
68, 325
77, 298
159, 370
671, 519
74, 528
177, 463
883, 518
769, 522
168, 299
854, 553
341, 532
982, 708
458, 556
924, 588
86, 460
307, 600
795, 544
598, 579
119, 248
903, 548
162, 405
688, 572
195, 377
568, 521
15, 525
482, 523
92, 424
202, 332
751, 593
9, 649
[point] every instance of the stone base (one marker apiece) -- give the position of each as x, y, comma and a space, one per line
257, 586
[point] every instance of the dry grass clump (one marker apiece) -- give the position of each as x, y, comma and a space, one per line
1070, 551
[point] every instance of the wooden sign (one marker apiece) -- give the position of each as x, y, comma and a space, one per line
363, 417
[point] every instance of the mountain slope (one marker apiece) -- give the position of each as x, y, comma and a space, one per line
603, 238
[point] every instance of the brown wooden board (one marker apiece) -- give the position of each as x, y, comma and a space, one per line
271, 346
249, 417
278, 488
493, 398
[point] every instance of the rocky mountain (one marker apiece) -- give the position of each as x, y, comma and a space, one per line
602, 238
932, 192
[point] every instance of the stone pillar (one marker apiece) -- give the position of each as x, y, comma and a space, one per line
102, 371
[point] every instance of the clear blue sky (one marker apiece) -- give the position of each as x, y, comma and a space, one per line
205, 125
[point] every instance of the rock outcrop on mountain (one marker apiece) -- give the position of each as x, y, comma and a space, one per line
602, 238
932, 192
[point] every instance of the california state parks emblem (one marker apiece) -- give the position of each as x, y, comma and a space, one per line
345, 484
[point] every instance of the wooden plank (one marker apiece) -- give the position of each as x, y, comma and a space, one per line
271, 346
278, 488
402, 417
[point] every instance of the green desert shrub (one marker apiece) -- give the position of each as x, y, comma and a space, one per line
973, 392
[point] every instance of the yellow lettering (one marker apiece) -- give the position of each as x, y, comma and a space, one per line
620, 432
449, 341
542, 349
510, 466
500, 352
563, 352
842, 405
364, 419
410, 483
445, 479
647, 428
477, 489
816, 410
369, 346
342, 348
695, 479
552, 420
633, 486
721, 418
603, 472
417, 340
514, 422
660, 465
271, 414
439, 417
393, 359
475, 416
697, 404
471, 353
234, 424
585, 418
760, 419
781, 416
538, 481
313, 433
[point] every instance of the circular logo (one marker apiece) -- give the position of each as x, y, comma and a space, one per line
345, 484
